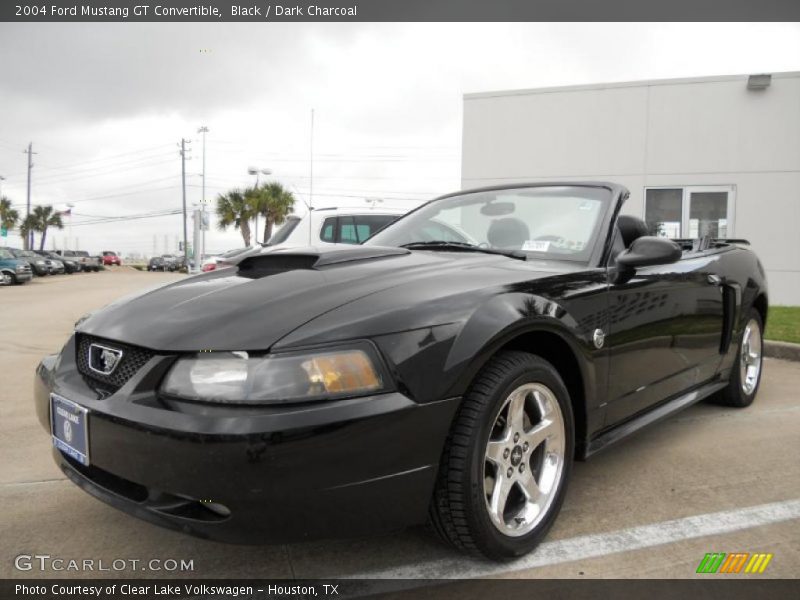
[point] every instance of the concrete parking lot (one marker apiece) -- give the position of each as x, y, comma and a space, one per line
709, 480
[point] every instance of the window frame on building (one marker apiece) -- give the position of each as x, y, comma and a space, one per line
686, 201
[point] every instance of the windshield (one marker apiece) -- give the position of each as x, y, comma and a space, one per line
287, 228
5, 254
557, 222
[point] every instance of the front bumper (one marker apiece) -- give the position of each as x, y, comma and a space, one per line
334, 469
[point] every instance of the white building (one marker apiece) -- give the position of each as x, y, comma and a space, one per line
714, 155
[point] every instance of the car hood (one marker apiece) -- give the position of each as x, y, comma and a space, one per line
265, 297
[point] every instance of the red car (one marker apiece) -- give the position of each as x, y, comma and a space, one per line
111, 258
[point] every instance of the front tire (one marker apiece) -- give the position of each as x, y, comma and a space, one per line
507, 459
746, 373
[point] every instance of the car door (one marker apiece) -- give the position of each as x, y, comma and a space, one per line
665, 327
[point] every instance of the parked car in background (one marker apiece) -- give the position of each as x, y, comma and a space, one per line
13, 269
170, 262
71, 260
156, 264
111, 258
87, 262
226, 259
333, 226
38, 264
54, 264
71, 263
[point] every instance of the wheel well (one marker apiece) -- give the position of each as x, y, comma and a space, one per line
557, 352
760, 304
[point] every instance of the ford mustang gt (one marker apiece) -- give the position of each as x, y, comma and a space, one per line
448, 370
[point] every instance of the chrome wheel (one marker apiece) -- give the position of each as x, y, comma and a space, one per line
750, 357
524, 459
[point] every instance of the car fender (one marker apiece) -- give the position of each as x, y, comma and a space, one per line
505, 318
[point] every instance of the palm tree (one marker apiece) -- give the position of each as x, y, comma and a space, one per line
29, 224
273, 202
234, 209
45, 218
8, 216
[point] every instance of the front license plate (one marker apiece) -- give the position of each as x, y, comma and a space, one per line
70, 428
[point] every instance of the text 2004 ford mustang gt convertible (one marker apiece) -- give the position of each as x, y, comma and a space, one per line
451, 368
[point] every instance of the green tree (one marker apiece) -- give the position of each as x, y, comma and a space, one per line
233, 209
26, 227
8, 216
273, 202
44, 218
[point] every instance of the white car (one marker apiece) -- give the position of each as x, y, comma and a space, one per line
332, 226
318, 227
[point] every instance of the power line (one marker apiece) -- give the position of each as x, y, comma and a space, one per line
111, 157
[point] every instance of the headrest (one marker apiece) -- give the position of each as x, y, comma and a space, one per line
509, 233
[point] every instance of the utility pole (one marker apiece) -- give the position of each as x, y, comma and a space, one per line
183, 188
204, 131
311, 164
29, 239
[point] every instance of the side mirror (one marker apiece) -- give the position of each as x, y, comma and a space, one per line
647, 250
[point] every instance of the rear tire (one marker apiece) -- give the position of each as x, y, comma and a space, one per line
746, 373
507, 459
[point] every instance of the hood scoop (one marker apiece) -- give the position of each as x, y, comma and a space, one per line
277, 261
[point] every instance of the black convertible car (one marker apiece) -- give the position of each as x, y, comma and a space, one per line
449, 369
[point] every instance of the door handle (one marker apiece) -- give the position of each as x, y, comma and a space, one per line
714, 280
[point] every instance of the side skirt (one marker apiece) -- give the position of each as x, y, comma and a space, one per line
662, 411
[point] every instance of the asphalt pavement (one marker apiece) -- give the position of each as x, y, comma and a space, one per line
710, 479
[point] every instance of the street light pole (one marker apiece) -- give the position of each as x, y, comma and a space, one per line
29, 241
183, 189
204, 131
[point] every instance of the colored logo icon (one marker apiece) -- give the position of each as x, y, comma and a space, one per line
736, 562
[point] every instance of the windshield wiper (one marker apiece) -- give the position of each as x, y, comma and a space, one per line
463, 246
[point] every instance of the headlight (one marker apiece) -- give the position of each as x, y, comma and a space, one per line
237, 377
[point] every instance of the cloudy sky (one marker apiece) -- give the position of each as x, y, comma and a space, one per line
106, 104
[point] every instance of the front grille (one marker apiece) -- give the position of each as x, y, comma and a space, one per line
133, 359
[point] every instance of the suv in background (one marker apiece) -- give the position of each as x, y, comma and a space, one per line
71, 263
111, 258
333, 226
12, 269
54, 263
38, 264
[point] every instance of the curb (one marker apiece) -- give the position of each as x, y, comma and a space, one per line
784, 350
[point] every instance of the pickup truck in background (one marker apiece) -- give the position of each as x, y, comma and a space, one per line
87, 262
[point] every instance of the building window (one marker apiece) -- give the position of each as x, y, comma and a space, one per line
690, 211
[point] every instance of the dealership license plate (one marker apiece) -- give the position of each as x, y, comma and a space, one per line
70, 428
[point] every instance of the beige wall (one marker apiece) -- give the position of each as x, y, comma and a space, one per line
685, 132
